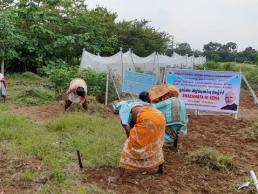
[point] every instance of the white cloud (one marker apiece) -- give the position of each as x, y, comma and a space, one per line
194, 21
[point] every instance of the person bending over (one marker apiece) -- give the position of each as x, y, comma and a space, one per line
77, 93
144, 127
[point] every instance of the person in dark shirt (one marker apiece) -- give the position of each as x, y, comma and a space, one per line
230, 102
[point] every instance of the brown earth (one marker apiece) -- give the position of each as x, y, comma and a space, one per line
218, 132
41, 112
45, 112
20, 174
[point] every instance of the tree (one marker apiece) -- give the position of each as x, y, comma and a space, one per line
43, 32
143, 39
210, 49
248, 55
197, 53
183, 49
9, 38
228, 52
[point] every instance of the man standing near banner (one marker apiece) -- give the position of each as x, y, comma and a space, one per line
230, 101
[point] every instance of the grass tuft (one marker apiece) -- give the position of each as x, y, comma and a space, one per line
31, 76
212, 159
250, 132
35, 95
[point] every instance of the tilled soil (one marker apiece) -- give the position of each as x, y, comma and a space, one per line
180, 176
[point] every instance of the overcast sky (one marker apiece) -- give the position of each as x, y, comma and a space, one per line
194, 21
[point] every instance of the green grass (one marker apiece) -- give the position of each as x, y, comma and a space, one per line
230, 66
249, 70
34, 95
99, 140
55, 142
28, 76
28, 88
33, 140
28, 176
250, 132
212, 159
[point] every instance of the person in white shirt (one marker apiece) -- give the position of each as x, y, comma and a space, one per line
77, 93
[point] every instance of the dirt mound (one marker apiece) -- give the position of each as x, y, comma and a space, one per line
41, 112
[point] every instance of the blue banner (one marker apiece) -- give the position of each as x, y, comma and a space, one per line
207, 90
135, 83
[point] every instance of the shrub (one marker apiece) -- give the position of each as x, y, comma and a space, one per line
62, 75
212, 65
228, 67
212, 159
96, 83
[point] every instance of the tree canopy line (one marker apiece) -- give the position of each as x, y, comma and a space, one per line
36, 33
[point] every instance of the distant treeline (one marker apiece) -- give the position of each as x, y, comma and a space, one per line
36, 33
220, 52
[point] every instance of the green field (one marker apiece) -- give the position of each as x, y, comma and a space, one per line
249, 70
54, 142
39, 156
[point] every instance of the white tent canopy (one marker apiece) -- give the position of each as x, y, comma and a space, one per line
121, 62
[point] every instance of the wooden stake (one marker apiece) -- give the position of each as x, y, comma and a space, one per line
79, 159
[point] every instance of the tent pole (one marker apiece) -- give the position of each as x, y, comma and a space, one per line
122, 75
115, 86
106, 99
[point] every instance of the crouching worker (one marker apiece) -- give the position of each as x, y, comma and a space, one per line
174, 110
144, 127
77, 93
3, 85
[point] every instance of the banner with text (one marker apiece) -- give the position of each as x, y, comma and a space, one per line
207, 90
135, 83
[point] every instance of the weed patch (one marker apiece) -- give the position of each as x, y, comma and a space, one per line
212, 159
250, 132
99, 140
35, 95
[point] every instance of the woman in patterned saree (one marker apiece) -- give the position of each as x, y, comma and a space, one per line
145, 129
166, 99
